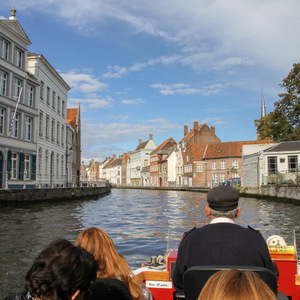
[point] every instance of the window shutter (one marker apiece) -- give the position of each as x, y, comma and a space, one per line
33, 167
8, 164
21, 166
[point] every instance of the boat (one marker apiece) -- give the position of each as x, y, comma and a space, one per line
157, 273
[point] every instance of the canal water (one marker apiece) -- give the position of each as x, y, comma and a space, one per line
137, 220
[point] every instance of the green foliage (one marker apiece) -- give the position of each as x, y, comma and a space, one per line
283, 124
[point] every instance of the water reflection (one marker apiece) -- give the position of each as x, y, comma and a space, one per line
137, 220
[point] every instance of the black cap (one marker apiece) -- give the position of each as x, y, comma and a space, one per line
223, 198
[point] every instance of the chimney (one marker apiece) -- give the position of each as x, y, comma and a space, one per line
212, 129
140, 140
114, 157
186, 130
150, 136
195, 125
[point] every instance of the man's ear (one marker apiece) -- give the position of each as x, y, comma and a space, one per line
238, 212
207, 208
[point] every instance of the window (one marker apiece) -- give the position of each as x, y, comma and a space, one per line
4, 48
214, 165
57, 164
57, 133
17, 84
215, 178
29, 95
41, 116
52, 130
47, 162
19, 58
28, 129
14, 125
62, 135
27, 166
58, 104
40, 161
293, 163
14, 165
3, 83
235, 164
199, 168
222, 177
63, 108
47, 126
272, 165
2, 112
53, 99
48, 95
223, 164
42, 90
62, 166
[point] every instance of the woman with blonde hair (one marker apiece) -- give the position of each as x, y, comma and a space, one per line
236, 285
115, 279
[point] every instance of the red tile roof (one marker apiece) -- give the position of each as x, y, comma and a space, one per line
161, 146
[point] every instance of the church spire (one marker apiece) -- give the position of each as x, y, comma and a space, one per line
263, 106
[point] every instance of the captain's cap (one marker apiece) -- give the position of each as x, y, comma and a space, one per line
223, 198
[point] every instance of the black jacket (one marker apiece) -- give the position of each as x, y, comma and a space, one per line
221, 244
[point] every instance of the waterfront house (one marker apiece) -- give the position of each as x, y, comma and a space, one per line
124, 168
18, 108
156, 158
52, 111
74, 119
271, 163
140, 158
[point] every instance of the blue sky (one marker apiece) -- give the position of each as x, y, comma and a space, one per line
140, 67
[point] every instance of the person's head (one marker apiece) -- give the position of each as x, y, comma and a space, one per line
223, 202
110, 263
236, 285
62, 271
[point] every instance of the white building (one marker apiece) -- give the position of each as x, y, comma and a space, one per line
52, 111
140, 158
18, 108
172, 167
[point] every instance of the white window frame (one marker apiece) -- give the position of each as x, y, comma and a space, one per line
17, 85
19, 58
2, 118
47, 162
42, 86
14, 166
199, 168
15, 125
26, 166
235, 164
48, 95
3, 83
40, 160
28, 128
223, 164
57, 132
214, 165
52, 130
5, 45
57, 165
215, 178
222, 177
29, 95
41, 119
47, 126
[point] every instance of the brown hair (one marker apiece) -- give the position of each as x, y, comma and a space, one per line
236, 285
110, 263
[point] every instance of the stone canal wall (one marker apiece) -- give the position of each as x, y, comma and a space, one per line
23, 196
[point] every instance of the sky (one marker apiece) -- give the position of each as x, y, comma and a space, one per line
143, 67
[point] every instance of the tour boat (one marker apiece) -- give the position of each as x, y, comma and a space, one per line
157, 273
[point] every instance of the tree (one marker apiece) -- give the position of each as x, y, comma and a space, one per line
282, 124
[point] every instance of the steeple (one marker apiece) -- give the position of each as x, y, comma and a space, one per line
263, 106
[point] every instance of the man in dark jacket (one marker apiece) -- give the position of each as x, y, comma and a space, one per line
222, 242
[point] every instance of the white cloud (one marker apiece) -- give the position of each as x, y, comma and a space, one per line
132, 101
91, 103
83, 82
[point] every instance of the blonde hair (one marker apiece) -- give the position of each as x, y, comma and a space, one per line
236, 285
110, 263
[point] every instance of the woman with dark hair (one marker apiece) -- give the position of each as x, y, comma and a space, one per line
61, 272
115, 279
